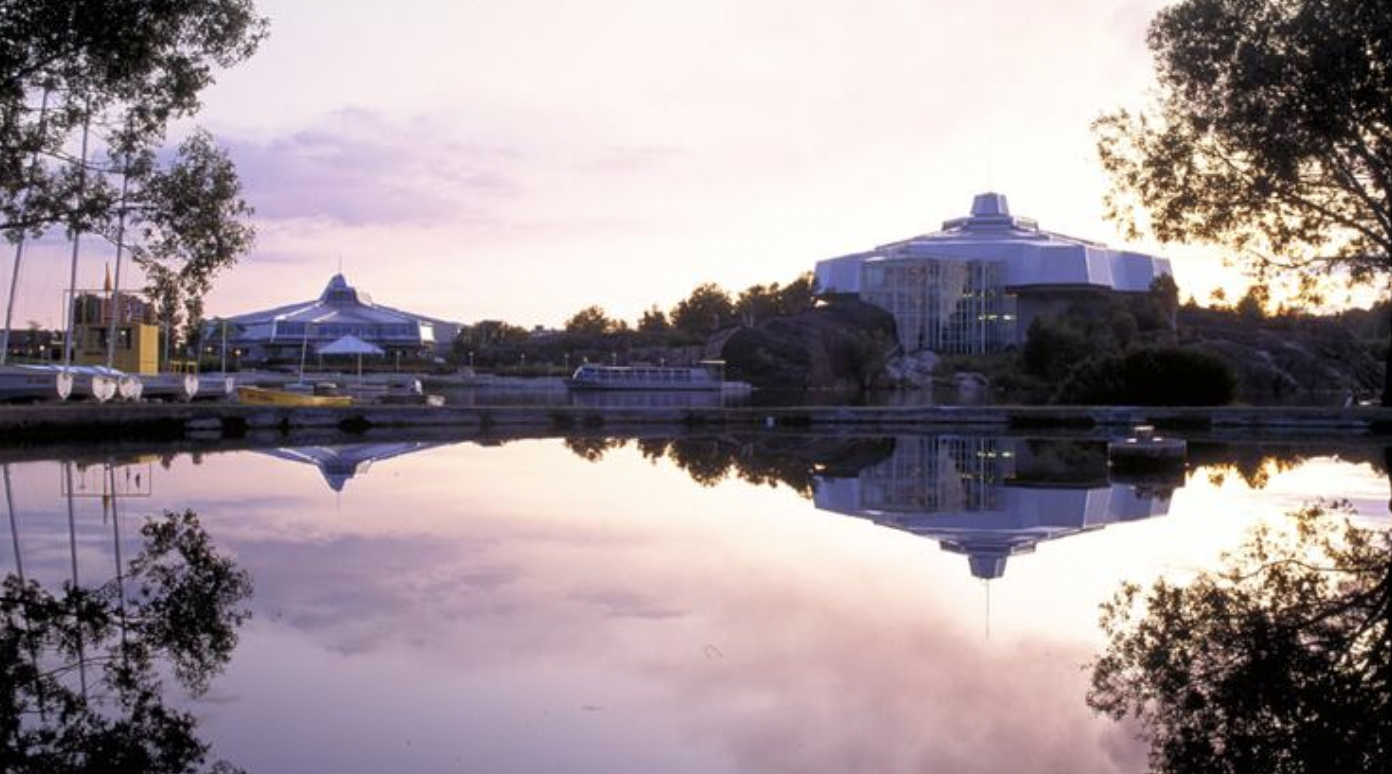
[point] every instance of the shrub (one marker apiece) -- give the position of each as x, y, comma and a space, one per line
1151, 376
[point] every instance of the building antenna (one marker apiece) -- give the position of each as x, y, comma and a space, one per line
987, 585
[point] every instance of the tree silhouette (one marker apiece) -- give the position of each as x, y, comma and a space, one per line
1271, 136
80, 687
1277, 662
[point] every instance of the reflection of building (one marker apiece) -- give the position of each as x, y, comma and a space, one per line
337, 464
977, 496
341, 310
976, 285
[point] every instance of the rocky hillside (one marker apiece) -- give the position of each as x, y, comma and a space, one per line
1285, 356
837, 345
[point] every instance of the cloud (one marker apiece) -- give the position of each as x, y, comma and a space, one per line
359, 168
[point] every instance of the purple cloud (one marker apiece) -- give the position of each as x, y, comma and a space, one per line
359, 168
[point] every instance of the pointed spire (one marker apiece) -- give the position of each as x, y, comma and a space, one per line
106, 286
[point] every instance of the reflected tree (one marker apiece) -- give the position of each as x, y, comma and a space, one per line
593, 448
771, 460
1277, 662
80, 685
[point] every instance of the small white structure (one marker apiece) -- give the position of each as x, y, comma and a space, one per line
976, 285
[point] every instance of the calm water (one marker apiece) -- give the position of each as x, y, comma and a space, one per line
786, 604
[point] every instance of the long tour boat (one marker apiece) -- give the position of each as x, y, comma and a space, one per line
705, 377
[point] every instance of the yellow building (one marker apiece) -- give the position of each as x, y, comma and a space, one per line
137, 337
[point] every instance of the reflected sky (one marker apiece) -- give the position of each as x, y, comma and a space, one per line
519, 607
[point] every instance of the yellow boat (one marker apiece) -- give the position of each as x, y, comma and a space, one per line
261, 396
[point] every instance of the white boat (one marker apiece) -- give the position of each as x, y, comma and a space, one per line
216, 386
129, 387
180, 387
704, 377
34, 383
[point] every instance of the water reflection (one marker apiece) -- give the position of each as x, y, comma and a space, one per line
990, 498
81, 665
671, 604
1280, 660
341, 462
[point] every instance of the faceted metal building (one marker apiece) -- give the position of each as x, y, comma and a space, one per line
284, 333
976, 285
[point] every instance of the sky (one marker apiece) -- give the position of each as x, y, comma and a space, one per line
520, 160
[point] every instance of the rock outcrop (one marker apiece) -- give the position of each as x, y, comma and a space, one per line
1285, 357
843, 344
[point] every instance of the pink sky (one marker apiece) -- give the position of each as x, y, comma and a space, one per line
522, 160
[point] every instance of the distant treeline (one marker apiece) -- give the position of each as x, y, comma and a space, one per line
591, 334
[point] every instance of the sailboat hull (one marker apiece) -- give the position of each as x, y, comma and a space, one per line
19, 383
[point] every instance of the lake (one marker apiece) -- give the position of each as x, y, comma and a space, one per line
722, 603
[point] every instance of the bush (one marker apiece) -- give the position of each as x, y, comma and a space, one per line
1150, 376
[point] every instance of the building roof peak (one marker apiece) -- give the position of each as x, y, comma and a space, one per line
989, 204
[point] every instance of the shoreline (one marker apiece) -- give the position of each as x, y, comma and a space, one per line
47, 423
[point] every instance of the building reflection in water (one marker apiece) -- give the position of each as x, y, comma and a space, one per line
991, 498
339, 463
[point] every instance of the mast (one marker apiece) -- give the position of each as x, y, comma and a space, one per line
116, 286
77, 237
23, 232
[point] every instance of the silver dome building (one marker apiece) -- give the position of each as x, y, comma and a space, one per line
976, 285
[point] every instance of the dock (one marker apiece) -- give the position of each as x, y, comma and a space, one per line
69, 421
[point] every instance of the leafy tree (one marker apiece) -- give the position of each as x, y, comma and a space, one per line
799, 295
1253, 303
592, 320
191, 222
110, 75
654, 320
1052, 347
757, 302
706, 310
762, 302
175, 610
1277, 662
1150, 376
1271, 136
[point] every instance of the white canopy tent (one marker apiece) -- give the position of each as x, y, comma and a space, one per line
352, 346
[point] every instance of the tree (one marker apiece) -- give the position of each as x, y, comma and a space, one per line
590, 321
1278, 662
706, 310
1150, 376
175, 610
191, 222
799, 295
1271, 136
65, 66
110, 75
654, 320
757, 302
1253, 303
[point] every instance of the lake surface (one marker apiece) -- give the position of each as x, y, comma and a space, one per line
731, 603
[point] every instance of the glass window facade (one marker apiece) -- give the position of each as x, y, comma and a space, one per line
943, 305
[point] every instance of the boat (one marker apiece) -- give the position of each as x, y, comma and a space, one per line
704, 377
84, 382
265, 396
216, 386
30, 383
172, 386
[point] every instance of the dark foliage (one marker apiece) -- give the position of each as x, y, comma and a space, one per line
1150, 376
1277, 663
178, 602
1271, 136
111, 76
